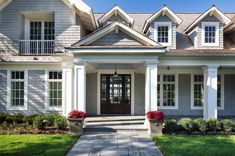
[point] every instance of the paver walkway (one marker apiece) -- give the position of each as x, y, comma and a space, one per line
115, 144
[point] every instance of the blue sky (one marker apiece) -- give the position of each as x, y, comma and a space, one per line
154, 5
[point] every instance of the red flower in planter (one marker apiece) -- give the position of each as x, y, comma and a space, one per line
155, 115
75, 114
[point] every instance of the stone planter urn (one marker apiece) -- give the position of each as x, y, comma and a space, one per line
155, 127
76, 121
75, 126
155, 122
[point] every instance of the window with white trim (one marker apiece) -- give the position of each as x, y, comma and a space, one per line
210, 33
198, 91
17, 88
167, 91
163, 33
41, 30
55, 89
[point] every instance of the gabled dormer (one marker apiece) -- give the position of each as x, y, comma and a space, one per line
116, 14
161, 27
206, 32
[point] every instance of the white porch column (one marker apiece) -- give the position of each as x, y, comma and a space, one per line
151, 86
210, 92
67, 90
80, 86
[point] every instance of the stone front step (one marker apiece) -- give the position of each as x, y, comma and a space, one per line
116, 124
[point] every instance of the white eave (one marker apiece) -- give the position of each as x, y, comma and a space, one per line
116, 26
116, 11
4, 3
213, 11
164, 11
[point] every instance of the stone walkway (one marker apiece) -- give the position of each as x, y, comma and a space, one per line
115, 144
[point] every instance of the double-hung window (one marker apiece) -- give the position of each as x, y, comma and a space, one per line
198, 91
55, 89
18, 90
210, 33
167, 91
163, 33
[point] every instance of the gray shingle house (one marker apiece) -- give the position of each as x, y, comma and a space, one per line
57, 55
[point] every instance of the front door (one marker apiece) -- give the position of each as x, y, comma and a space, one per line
115, 94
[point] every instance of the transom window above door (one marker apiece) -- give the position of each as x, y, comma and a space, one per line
163, 33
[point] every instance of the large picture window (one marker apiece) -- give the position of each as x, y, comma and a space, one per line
17, 88
167, 91
198, 91
55, 89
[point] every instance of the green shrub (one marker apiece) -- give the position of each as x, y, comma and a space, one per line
187, 124
3, 117
201, 125
29, 119
17, 118
39, 122
60, 123
170, 126
228, 125
51, 118
213, 124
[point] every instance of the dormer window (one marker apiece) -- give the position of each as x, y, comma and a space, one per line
163, 33
210, 33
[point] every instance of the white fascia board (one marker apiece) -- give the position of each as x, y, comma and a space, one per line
114, 26
117, 51
166, 11
4, 3
213, 11
112, 12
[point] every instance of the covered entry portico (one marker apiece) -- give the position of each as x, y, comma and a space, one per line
116, 95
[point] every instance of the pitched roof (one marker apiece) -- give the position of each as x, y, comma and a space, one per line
116, 10
213, 11
164, 11
116, 26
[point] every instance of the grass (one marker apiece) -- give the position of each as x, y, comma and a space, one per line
181, 145
36, 145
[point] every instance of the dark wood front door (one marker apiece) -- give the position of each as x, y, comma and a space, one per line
115, 94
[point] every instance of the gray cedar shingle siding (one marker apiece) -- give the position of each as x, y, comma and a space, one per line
91, 94
139, 94
163, 19
115, 39
3, 90
67, 28
36, 90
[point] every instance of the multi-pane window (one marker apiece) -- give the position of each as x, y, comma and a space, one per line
210, 34
198, 91
49, 30
17, 88
35, 30
55, 89
168, 90
158, 90
162, 34
198, 84
42, 30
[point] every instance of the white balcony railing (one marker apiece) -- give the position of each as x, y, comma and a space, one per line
36, 47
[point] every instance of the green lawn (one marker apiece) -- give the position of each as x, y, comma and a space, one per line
36, 145
181, 145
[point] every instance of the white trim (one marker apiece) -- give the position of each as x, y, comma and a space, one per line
9, 107
47, 107
213, 11
192, 91
116, 10
169, 25
122, 51
216, 24
164, 11
120, 71
4, 3
116, 25
176, 91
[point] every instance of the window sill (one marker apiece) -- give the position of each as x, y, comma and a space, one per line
54, 108
167, 107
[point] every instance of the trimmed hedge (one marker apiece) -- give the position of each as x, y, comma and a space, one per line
198, 125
